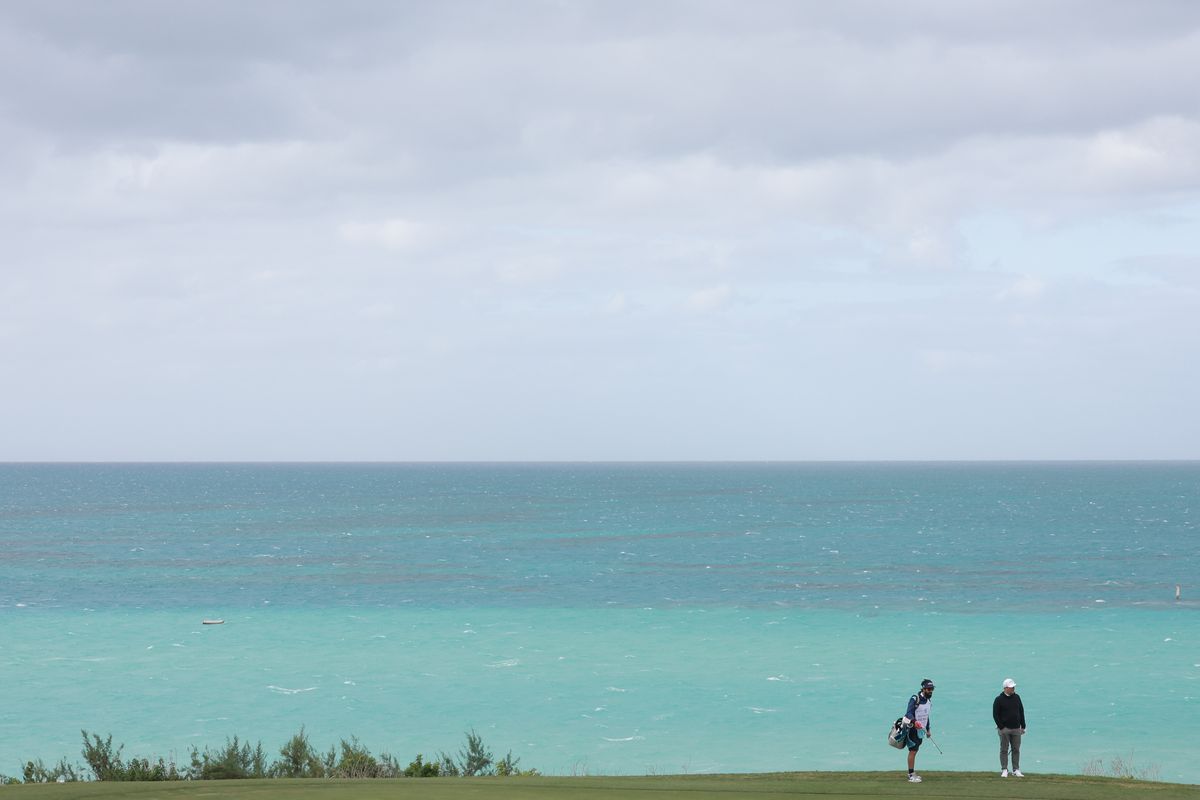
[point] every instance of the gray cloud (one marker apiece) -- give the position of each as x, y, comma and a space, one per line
457, 230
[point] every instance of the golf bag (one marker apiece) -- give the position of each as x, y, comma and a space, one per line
898, 735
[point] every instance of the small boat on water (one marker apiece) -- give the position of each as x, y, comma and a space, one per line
212, 622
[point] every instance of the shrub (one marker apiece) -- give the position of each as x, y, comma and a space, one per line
104, 762
446, 767
141, 769
234, 761
357, 762
38, 772
106, 765
474, 759
507, 768
298, 759
420, 769
1121, 767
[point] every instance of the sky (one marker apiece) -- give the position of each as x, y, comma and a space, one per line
597, 230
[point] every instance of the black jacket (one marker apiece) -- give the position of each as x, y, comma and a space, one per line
1008, 711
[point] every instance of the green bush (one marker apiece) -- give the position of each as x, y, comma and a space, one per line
474, 759
357, 762
297, 759
236, 761
421, 769
104, 762
507, 768
106, 765
37, 772
141, 769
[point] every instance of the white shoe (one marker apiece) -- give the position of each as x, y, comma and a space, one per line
1003, 773
1018, 774
914, 778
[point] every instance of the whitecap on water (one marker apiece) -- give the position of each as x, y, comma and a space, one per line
285, 690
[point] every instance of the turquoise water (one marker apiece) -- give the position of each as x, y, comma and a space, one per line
604, 618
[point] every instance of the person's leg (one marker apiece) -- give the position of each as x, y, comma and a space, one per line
914, 744
1016, 751
1003, 733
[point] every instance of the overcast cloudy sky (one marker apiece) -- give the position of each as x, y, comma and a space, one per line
599, 230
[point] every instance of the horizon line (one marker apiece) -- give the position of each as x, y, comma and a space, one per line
598, 462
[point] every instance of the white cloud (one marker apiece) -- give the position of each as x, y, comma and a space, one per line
578, 188
617, 303
529, 270
391, 234
1158, 155
164, 181
949, 360
1026, 288
712, 298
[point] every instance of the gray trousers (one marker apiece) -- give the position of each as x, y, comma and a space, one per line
1010, 737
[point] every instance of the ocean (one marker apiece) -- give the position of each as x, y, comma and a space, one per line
605, 618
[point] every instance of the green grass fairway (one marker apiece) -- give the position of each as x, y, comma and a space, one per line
839, 785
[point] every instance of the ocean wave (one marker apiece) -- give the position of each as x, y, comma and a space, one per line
285, 690
508, 662
625, 739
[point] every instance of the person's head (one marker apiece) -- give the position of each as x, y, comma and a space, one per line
927, 687
1010, 686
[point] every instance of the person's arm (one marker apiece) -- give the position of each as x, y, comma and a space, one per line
1021, 708
996, 711
910, 713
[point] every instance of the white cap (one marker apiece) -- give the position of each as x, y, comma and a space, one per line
1009, 683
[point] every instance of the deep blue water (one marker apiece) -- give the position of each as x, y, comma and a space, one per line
848, 536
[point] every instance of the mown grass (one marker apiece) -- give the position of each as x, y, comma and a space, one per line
762, 786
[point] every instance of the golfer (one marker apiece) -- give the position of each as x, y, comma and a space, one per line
1008, 712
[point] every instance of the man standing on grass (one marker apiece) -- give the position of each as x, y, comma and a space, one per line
1009, 715
917, 717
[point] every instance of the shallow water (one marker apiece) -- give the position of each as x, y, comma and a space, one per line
603, 618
